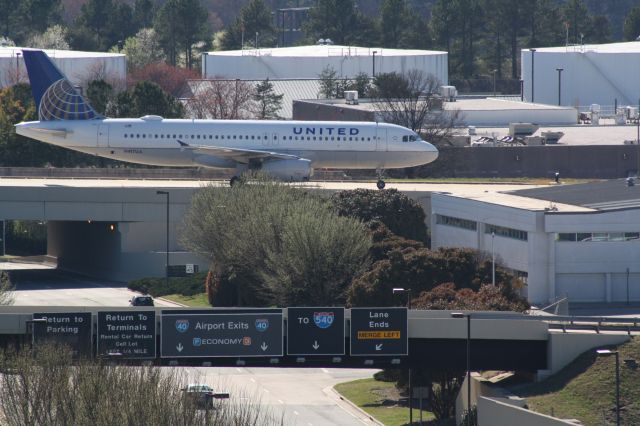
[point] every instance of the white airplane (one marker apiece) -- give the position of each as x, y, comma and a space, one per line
288, 150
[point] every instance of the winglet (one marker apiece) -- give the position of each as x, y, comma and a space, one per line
55, 97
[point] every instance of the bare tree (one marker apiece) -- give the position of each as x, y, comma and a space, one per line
221, 99
44, 387
6, 289
411, 100
277, 243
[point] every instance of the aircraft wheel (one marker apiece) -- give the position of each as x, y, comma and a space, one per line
380, 184
234, 180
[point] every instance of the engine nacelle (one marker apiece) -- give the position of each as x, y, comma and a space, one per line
288, 170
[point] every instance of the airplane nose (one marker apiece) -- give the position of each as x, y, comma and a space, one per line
429, 152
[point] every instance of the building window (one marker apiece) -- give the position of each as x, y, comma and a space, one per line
456, 222
586, 237
502, 231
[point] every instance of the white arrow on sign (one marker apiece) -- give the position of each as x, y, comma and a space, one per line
315, 345
264, 346
179, 347
379, 347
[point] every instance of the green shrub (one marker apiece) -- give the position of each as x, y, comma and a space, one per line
187, 286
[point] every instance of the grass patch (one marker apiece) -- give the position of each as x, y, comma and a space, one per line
585, 389
381, 400
515, 180
196, 300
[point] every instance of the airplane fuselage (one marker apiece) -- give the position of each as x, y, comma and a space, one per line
188, 143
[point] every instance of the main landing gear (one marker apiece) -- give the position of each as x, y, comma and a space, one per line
380, 184
234, 180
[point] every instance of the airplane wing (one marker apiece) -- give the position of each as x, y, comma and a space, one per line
241, 155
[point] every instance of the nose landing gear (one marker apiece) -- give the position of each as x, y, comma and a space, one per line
380, 183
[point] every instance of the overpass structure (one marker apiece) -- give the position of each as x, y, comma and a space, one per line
499, 340
115, 229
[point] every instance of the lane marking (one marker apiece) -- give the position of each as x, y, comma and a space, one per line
324, 370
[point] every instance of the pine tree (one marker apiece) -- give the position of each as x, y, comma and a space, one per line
268, 103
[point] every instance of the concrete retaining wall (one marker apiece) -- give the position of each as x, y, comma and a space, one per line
494, 412
594, 161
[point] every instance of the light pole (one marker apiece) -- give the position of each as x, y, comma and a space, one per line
533, 52
607, 352
559, 85
468, 317
373, 73
166, 269
494, 81
408, 291
493, 260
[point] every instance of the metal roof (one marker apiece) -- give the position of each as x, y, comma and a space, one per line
10, 52
601, 195
624, 47
324, 51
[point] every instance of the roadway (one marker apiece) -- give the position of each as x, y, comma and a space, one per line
303, 396
56, 288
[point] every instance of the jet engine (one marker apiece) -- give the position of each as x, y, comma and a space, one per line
288, 170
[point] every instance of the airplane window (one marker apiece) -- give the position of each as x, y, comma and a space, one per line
210, 137
216, 136
240, 137
368, 138
296, 138
180, 136
412, 138
275, 138
308, 138
156, 136
125, 135
137, 135
161, 136
314, 138
144, 136
332, 138
253, 136
234, 136
247, 137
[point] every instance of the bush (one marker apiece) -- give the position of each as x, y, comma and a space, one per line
401, 214
187, 286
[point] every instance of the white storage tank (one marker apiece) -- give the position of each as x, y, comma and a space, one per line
585, 74
309, 61
79, 67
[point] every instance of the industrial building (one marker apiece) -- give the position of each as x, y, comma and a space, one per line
309, 61
580, 241
79, 67
583, 75
493, 112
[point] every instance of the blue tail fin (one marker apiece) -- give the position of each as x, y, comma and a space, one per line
55, 97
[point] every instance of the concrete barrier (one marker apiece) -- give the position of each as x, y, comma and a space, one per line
496, 412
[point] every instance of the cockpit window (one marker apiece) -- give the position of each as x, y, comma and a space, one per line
410, 138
